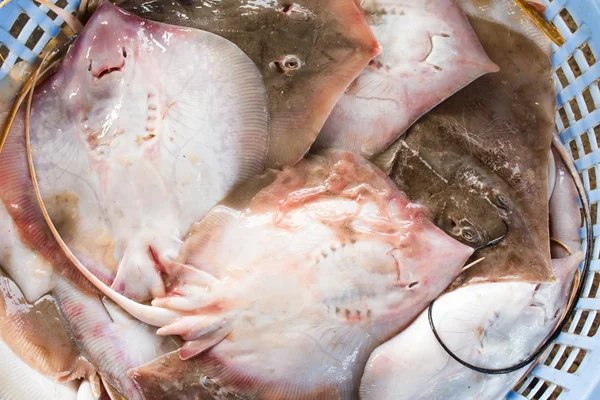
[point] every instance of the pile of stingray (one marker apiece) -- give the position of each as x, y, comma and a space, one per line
262, 199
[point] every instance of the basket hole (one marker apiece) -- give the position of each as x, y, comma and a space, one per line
574, 67
569, 20
573, 147
588, 99
595, 325
528, 389
34, 38
4, 51
60, 4
18, 25
562, 78
585, 140
580, 323
576, 110
594, 287
565, 120
552, 355
581, 353
594, 206
589, 55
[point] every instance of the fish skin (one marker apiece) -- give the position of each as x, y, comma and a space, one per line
268, 323
504, 323
330, 38
19, 381
108, 337
136, 125
430, 52
508, 13
25, 236
35, 334
481, 158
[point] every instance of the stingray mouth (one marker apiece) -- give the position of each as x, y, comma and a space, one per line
110, 68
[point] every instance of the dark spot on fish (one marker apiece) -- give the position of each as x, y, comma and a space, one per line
412, 285
124, 52
347, 313
438, 68
444, 35
368, 313
337, 310
287, 8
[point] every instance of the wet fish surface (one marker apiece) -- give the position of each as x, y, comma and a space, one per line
143, 128
330, 260
491, 325
479, 161
308, 51
429, 52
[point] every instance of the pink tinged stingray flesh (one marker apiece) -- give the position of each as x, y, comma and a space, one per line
493, 325
35, 334
288, 290
144, 127
110, 338
430, 52
28, 251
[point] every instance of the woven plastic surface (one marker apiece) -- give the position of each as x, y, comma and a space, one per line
571, 370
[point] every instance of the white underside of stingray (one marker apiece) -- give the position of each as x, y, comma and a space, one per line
19, 381
429, 52
30, 271
142, 130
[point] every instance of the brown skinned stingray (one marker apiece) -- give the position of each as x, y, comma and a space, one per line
308, 51
481, 158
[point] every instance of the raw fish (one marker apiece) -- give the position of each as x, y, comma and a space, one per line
19, 381
143, 128
508, 13
28, 251
309, 52
491, 325
429, 53
110, 338
35, 333
285, 291
479, 161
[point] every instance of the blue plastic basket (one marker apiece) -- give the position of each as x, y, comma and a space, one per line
571, 370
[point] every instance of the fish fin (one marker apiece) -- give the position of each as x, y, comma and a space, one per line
204, 343
109, 337
510, 14
431, 52
35, 333
222, 375
321, 82
139, 275
165, 159
155, 379
28, 226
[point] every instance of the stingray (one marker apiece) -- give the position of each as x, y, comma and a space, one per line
479, 161
429, 52
491, 325
141, 130
284, 289
308, 51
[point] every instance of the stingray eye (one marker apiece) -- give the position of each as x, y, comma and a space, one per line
469, 235
501, 201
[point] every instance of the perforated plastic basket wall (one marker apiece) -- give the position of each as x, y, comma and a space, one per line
571, 370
